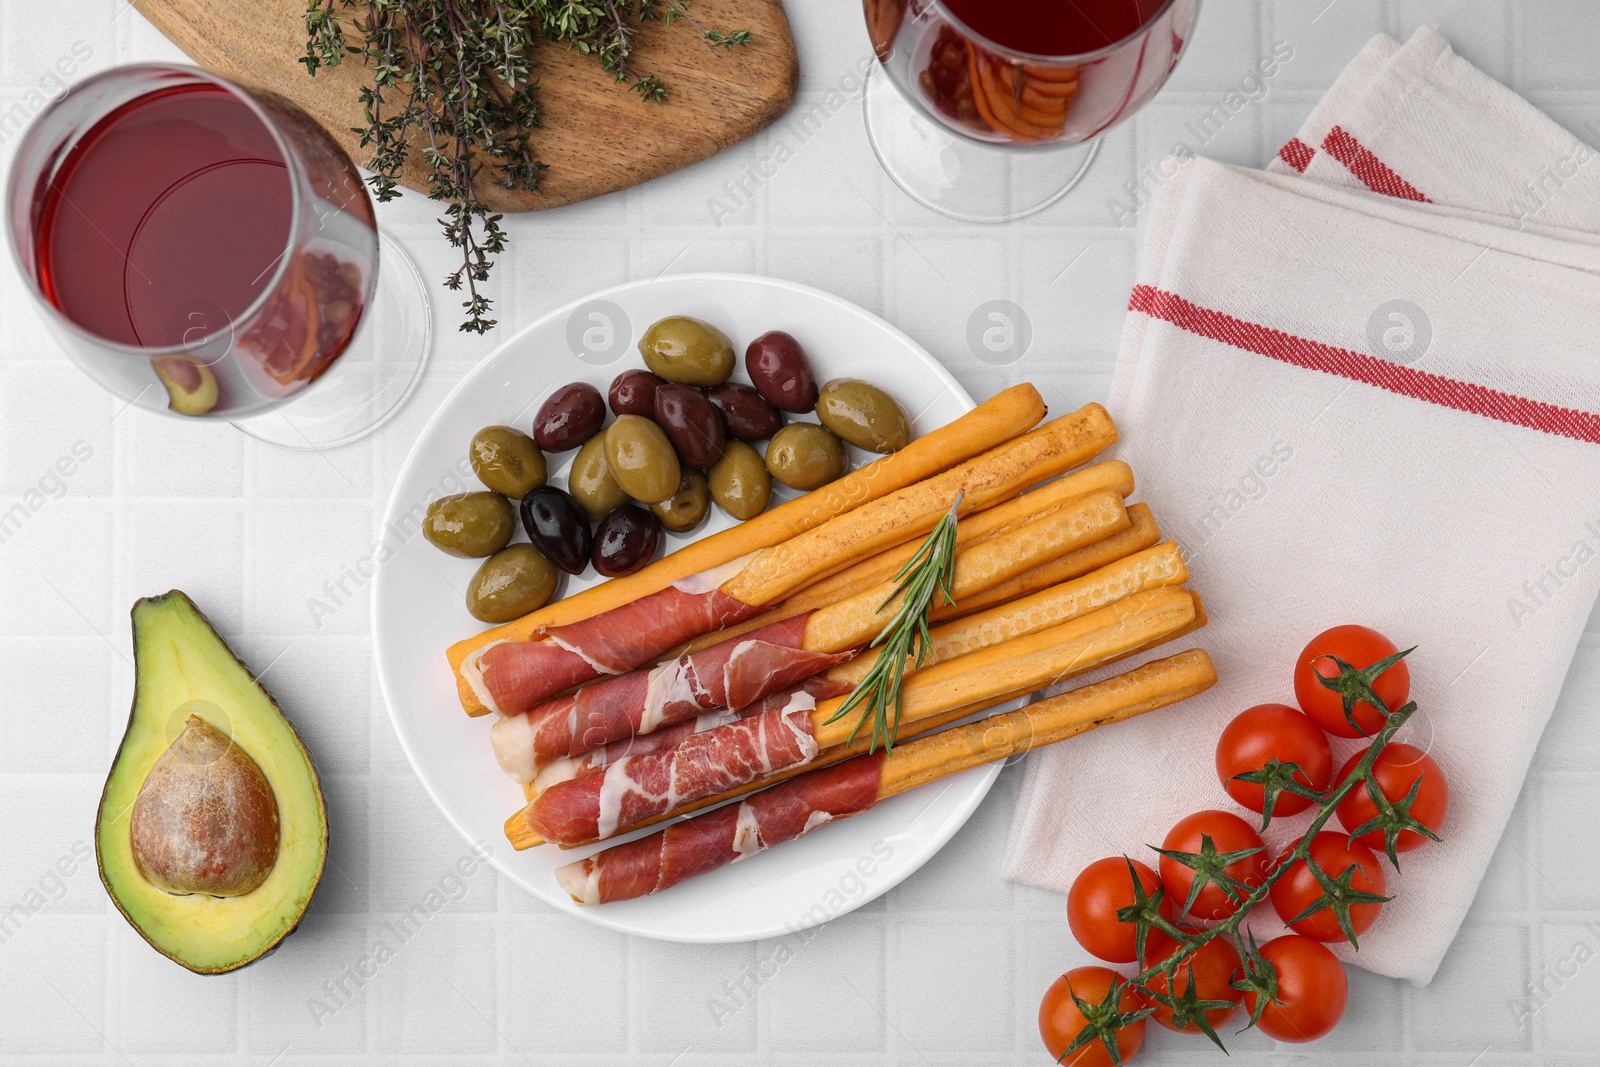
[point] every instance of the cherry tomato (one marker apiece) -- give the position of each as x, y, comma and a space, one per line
1228, 833
1215, 964
1295, 891
1359, 646
1396, 767
1312, 990
1060, 1020
1097, 894
1273, 732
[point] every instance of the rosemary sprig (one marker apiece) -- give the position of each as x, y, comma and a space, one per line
1259, 975
453, 81
929, 572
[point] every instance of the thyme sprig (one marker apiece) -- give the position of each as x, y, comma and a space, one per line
931, 571
453, 81
1338, 895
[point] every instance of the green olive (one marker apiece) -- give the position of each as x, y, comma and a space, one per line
507, 461
512, 582
470, 524
641, 459
739, 481
805, 456
591, 483
684, 508
687, 351
863, 415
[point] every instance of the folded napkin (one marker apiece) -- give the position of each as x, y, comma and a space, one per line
1366, 394
1423, 124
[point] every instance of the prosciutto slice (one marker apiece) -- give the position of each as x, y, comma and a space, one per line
512, 676
729, 675
724, 835
636, 788
817, 687
505, 680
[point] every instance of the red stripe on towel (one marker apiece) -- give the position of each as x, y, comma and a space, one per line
1373, 172
1369, 370
1297, 154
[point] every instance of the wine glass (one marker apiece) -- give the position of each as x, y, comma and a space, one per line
989, 111
206, 250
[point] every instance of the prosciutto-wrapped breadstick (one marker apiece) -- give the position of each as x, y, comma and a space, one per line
817, 687
791, 809
736, 672
995, 421
513, 676
1111, 474
641, 787
522, 836
1151, 569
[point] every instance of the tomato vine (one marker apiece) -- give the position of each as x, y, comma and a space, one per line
1338, 893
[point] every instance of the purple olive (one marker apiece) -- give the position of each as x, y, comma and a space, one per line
747, 413
557, 527
625, 540
693, 424
573, 414
633, 392
777, 365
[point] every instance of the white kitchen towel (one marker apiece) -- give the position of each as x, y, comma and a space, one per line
1354, 407
1335, 105
1421, 123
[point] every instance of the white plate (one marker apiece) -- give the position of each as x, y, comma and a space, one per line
418, 610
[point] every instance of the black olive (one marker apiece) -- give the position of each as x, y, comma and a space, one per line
747, 413
633, 392
625, 541
777, 365
692, 423
556, 524
573, 414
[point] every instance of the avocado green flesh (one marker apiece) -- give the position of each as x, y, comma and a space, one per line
181, 663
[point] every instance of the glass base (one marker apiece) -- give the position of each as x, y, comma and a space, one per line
371, 381
960, 177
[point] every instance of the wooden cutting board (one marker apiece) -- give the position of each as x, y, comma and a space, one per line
597, 136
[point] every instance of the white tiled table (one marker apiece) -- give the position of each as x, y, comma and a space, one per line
946, 969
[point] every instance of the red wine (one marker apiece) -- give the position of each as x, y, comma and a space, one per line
1055, 27
166, 220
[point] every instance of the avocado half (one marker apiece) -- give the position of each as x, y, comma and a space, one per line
220, 792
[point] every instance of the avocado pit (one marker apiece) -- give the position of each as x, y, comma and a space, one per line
206, 819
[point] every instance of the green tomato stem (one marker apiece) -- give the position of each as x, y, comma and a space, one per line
1328, 805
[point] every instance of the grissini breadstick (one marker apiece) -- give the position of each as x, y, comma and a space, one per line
1033, 661
935, 722
1005, 416
637, 788
522, 836
798, 806
1048, 721
735, 673
1110, 474
513, 676
857, 619
1052, 449
1142, 532
1151, 569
